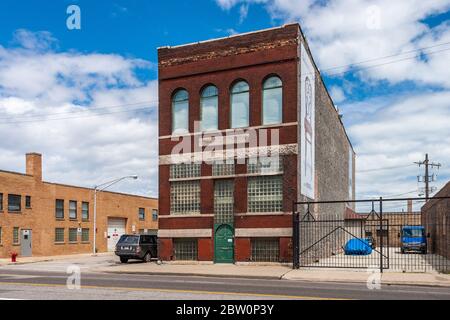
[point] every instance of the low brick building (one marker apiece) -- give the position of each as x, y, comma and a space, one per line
41, 218
436, 219
246, 127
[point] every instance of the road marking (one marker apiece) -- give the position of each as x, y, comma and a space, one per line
176, 291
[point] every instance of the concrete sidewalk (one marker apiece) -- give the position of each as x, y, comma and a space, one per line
278, 273
387, 278
28, 260
203, 270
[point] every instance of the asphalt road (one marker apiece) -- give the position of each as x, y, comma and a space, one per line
30, 284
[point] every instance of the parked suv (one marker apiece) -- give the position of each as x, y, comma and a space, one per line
140, 247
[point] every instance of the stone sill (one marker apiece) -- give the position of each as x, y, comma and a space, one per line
59, 243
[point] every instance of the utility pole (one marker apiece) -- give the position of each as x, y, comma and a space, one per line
427, 179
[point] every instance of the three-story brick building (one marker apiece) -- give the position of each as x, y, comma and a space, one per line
246, 127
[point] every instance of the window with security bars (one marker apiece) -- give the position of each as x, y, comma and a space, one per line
85, 235
265, 165
185, 170
265, 194
223, 201
185, 249
59, 235
185, 197
223, 169
73, 235
16, 235
265, 250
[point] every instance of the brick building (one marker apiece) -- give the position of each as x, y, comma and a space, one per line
246, 127
41, 218
436, 220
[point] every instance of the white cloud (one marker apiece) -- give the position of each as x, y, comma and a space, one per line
397, 135
95, 139
343, 32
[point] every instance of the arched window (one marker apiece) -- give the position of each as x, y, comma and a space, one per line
209, 108
240, 94
180, 112
272, 101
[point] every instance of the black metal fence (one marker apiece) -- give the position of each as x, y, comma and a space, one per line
384, 234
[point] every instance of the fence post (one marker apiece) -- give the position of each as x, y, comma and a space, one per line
295, 238
381, 234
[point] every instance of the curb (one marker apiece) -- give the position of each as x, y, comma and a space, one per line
179, 274
386, 283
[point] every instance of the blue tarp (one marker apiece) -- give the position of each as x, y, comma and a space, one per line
358, 247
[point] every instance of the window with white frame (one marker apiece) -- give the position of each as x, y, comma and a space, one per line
185, 197
209, 109
185, 170
272, 101
16, 239
180, 112
240, 96
265, 194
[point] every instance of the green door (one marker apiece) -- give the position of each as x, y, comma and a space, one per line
224, 244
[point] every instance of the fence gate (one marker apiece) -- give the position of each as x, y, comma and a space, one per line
384, 235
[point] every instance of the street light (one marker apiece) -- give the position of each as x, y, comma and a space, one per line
100, 188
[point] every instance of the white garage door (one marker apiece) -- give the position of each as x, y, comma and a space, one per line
116, 228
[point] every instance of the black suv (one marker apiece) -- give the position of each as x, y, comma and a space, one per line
141, 247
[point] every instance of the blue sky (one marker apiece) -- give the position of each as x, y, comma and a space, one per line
394, 112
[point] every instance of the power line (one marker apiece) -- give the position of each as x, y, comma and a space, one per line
385, 57
77, 117
86, 110
385, 168
386, 63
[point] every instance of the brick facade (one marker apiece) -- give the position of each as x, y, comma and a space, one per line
253, 58
40, 216
436, 219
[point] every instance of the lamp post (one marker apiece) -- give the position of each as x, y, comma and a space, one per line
100, 188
